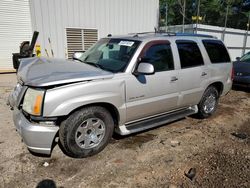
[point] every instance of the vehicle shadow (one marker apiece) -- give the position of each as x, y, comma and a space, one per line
39, 154
240, 88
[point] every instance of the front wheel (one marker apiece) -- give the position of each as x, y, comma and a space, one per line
208, 103
86, 132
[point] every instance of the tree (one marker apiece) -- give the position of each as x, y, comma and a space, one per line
213, 12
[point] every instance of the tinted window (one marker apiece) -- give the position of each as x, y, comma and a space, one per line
216, 50
246, 57
160, 55
190, 55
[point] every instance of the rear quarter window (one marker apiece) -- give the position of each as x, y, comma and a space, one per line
190, 54
217, 51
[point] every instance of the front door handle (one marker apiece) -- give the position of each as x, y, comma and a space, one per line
174, 78
203, 74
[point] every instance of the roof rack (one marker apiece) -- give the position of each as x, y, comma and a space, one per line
194, 35
163, 33
153, 32
142, 33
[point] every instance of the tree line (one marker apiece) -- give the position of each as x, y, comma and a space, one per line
211, 12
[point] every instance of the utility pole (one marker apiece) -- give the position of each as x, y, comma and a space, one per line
245, 38
197, 16
183, 17
225, 24
166, 17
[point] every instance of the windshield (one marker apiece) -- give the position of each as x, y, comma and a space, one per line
110, 54
246, 57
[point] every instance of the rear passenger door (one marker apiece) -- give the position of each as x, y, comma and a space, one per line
192, 73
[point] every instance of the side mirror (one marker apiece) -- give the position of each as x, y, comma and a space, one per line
145, 68
237, 58
78, 55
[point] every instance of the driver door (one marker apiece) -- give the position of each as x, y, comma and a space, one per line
148, 95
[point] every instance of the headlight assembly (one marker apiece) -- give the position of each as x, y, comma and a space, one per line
33, 101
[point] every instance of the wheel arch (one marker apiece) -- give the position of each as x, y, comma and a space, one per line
218, 85
108, 106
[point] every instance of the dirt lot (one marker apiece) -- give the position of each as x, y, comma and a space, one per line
155, 158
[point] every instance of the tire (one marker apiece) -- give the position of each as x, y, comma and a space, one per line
86, 132
208, 103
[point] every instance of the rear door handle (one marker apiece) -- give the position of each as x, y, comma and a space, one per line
203, 74
174, 78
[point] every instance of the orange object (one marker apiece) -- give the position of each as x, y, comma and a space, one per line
38, 104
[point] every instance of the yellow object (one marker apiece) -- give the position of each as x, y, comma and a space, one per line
38, 105
195, 18
38, 50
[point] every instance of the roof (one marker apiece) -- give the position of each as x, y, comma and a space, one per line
152, 35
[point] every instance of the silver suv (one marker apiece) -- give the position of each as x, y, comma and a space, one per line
125, 84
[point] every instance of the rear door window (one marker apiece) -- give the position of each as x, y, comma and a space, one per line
217, 51
190, 54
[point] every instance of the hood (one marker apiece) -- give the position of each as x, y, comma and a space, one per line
47, 72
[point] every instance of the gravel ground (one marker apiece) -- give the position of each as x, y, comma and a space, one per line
156, 158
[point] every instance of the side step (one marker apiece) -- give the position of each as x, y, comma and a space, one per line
155, 121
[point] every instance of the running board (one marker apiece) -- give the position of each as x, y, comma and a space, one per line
155, 121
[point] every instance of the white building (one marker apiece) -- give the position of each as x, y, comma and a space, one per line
236, 40
70, 25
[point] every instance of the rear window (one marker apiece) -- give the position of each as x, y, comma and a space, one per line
189, 52
217, 51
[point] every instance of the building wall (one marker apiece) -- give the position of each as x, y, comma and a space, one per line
233, 38
52, 17
15, 27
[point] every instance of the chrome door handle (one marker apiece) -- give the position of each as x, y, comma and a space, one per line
203, 74
174, 78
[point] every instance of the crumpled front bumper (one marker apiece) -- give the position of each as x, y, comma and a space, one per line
38, 137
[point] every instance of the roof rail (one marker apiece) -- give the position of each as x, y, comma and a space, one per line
163, 33
168, 33
194, 35
153, 32
142, 33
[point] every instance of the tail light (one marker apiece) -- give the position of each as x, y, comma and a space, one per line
232, 74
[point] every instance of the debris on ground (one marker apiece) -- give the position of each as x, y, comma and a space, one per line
242, 136
174, 143
162, 142
191, 173
45, 164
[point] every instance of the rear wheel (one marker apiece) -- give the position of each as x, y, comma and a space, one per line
208, 103
86, 132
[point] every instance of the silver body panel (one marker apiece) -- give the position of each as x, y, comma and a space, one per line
72, 85
37, 137
42, 72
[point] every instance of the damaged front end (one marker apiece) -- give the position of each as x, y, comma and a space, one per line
38, 135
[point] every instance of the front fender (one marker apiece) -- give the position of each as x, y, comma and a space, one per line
62, 100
